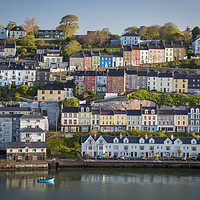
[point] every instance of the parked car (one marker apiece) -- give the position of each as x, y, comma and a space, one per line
98, 157
183, 158
115, 156
50, 159
142, 158
194, 158
121, 158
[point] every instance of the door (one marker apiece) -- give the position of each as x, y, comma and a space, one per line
147, 154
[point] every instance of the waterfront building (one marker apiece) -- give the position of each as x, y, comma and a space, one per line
69, 119
26, 151
108, 146
194, 119
133, 120
181, 120
149, 118
120, 120
106, 120
166, 121
84, 117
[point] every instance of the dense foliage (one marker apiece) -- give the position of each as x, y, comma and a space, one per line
187, 63
169, 99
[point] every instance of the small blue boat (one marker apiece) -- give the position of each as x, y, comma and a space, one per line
48, 180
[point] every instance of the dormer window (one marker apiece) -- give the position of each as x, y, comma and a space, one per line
125, 140
152, 111
115, 140
193, 141
146, 111
151, 141
141, 140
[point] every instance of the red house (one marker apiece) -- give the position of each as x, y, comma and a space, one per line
116, 81
90, 81
87, 60
135, 55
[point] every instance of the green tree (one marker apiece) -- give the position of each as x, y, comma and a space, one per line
195, 32
187, 38
10, 25
132, 29
143, 32
92, 93
23, 89
69, 25
72, 102
23, 52
153, 32
29, 42
174, 34
72, 47
16, 96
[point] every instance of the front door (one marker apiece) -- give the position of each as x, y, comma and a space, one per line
147, 154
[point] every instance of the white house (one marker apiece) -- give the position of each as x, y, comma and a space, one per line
17, 32
3, 33
34, 121
130, 39
196, 46
69, 87
165, 82
32, 135
108, 146
152, 81
144, 55
117, 60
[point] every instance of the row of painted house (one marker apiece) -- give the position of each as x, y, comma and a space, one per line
18, 32
118, 81
136, 147
85, 118
133, 55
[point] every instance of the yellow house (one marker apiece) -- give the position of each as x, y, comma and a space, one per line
51, 92
180, 83
120, 120
106, 121
9, 50
181, 120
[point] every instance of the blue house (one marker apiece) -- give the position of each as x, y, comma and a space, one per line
106, 60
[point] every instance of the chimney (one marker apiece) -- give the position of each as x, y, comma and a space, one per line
95, 136
146, 136
171, 43
139, 45
120, 136
155, 44
172, 136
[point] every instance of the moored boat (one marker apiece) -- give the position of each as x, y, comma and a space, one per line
48, 180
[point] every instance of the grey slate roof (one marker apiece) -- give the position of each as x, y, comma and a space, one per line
13, 109
70, 110
69, 85
167, 75
33, 130
13, 145
32, 117
130, 34
17, 28
52, 87
133, 112
157, 140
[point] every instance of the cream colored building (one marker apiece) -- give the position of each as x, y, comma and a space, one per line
168, 52
51, 92
180, 83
